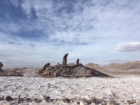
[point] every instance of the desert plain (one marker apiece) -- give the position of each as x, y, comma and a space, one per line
120, 87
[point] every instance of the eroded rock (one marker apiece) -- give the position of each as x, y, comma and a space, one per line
9, 98
64, 70
77, 62
1, 65
64, 62
45, 66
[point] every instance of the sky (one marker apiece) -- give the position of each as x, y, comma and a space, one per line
36, 32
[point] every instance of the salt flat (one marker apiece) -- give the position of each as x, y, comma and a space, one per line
124, 88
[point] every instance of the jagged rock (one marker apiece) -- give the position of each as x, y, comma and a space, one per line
72, 71
64, 62
65, 70
77, 62
8, 98
45, 66
1, 65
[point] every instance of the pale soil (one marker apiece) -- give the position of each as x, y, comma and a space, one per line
118, 89
123, 86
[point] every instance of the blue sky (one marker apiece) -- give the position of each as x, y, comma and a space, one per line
35, 32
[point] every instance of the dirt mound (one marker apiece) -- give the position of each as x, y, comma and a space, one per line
71, 71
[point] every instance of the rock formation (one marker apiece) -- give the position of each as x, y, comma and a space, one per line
77, 62
65, 60
45, 66
56, 74
1, 65
90, 72
46, 74
65, 70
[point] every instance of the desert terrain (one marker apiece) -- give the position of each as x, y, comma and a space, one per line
121, 86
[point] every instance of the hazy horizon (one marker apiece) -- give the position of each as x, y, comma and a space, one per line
35, 32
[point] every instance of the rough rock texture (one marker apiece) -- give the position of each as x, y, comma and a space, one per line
71, 71
45, 66
77, 62
1, 65
64, 62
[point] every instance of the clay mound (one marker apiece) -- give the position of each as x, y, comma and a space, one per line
71, 71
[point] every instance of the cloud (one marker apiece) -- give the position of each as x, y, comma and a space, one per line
48, 29
127, 47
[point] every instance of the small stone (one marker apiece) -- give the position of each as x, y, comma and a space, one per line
1, 98
37, 100
66, 100
8, 98
46, 98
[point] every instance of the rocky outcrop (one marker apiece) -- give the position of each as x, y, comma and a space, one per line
71, 71
1, 65
64, 70
45, 66
64, 62
77, 62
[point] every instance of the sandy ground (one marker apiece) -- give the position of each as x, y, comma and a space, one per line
119, 89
